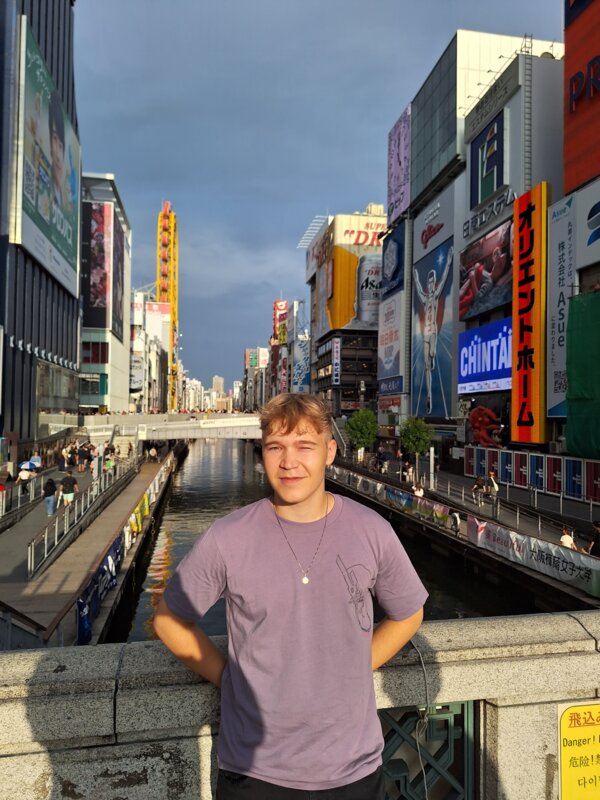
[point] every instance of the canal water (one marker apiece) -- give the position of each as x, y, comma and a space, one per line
220, 475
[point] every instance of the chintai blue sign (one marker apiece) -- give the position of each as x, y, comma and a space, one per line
391, 386
485, 357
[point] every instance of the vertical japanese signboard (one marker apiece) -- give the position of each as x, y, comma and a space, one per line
562, 277
528, 406
336, 361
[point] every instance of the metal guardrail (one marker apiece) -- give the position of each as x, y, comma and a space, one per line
44, 544
13, 497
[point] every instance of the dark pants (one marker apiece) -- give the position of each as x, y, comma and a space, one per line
233, 786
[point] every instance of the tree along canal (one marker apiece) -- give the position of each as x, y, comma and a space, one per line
220, 475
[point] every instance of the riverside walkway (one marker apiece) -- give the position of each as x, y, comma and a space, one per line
46, 597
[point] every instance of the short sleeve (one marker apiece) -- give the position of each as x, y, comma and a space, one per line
199, 580
398, 588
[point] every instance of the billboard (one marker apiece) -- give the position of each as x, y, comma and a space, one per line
393, 261
528, 403
348, 283
250, 358
432, 333
280, 321
434, 225
581, 94
336, 361
587, 213
562, 277
263, 357
390, 342
485, 357
46, 219
96, 263
486, 271
136, 373
118, 278
301, 365
398, 193
487, 161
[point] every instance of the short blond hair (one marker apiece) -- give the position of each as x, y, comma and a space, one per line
287, 411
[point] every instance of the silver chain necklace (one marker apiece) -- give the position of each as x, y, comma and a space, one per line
305, 578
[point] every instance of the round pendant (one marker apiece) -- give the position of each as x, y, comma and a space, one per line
305, 579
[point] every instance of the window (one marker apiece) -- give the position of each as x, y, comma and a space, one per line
94, 353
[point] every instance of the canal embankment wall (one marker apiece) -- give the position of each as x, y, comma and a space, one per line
128, 720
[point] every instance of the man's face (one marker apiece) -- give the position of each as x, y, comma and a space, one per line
295, 463
57, 151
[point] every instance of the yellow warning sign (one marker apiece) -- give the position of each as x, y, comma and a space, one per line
579, 747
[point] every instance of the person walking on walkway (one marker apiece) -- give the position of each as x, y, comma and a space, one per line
568, 538
298, 711
491, 491
594, 548
477, 491
23, 478
49, 494
68, 488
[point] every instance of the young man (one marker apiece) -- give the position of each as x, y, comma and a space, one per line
298, 712
68, 487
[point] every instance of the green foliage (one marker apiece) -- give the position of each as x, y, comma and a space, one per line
415, 435
362, 428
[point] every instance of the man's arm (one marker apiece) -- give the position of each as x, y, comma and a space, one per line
391, 635
418, 287
189, 644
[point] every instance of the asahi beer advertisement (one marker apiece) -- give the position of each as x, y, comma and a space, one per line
562, 279
48, 171
432, 333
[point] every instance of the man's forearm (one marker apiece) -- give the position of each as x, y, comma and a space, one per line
189, 644
391, 635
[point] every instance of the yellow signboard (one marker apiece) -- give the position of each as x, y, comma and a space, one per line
579, 746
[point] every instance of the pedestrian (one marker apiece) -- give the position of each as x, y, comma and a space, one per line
298, 712
568, 538
594, 548
491, 491
477, 491
153, 454
418, 489
49, 494
23, 478
68, 488
36, 459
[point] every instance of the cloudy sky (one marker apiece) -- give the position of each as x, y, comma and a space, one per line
251, 118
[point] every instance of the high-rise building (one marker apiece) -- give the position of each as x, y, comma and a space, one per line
218, 385
39, 223
105, 290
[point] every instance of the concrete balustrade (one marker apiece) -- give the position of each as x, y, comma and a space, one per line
129, 721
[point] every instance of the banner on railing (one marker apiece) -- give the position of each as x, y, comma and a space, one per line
105, 579
568, 566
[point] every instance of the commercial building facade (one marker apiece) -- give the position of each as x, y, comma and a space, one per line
39, 221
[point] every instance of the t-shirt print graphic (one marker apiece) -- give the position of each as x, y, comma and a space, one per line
357, 597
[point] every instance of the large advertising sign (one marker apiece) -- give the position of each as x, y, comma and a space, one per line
336, 361
582, 94
528, 405
393, 261
432, 333
434, 225
136, 373
97, 263
486, 271
485, 357
348, 284
390, 337
46, 219
399, 167
118, 278
562, 277
587, 211
487, 161
280, 321
301, 365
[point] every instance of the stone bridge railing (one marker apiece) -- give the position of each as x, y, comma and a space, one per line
129, 721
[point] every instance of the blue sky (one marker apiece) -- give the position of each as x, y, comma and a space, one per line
251, 118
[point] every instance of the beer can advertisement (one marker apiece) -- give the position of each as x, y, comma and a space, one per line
432, 333
48, 169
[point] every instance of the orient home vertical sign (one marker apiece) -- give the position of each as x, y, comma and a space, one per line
528, 406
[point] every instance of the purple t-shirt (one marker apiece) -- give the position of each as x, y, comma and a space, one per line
297, 699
